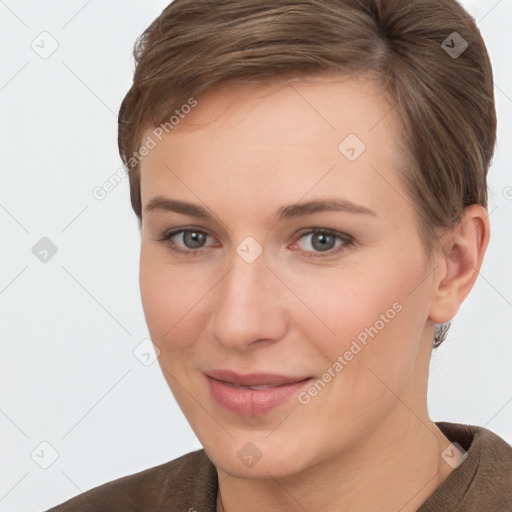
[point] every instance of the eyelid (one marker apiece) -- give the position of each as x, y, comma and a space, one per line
167, 235
345, 238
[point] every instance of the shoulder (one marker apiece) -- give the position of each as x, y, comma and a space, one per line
188, 482
494, 453
493, 478
482, 480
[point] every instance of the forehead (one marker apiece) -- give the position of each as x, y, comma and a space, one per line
307, 136
330, 102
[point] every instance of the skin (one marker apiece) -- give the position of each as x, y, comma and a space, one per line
242, 153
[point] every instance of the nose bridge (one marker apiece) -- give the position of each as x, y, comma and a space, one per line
247, 301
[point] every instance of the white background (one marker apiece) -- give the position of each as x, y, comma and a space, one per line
69, 326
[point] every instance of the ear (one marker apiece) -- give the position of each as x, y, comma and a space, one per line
458, 263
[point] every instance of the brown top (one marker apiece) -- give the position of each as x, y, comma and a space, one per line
481, 483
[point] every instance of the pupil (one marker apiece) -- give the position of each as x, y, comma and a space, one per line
193, 239
322, 239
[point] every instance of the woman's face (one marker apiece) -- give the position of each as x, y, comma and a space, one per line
305, 277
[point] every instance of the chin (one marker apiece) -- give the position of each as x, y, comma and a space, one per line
260, 459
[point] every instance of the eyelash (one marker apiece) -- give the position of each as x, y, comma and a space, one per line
346, 239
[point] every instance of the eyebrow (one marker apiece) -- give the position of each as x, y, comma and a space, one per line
160, 203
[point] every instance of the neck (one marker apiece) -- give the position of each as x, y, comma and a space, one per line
397, 468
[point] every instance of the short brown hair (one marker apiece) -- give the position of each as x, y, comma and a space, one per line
445, 101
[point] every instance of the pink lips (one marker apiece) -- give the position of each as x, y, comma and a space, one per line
254, 394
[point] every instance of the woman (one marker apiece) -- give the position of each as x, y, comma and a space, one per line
310, 182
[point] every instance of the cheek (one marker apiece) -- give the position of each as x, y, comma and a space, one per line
176, 301
372, 355
370, 316
167, 293
344, 301
330, 307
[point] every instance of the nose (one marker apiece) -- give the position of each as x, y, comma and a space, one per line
250, 306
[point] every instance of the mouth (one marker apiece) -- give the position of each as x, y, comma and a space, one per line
254, 394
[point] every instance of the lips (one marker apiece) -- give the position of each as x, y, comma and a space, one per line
253, 379
253, 394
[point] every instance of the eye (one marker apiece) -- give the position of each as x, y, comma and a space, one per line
325, 241
192, 239
321, 240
